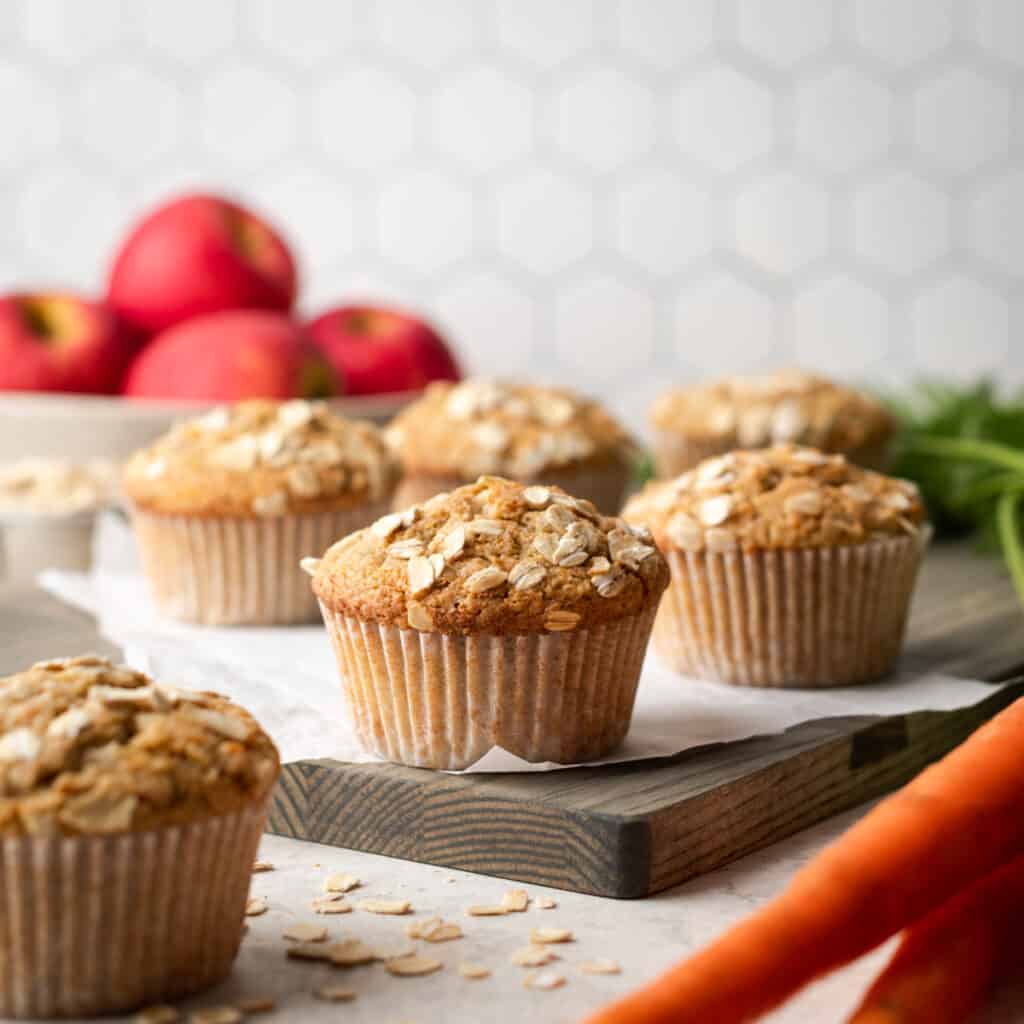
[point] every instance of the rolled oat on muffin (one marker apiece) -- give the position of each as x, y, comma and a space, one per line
225, 505
789, 567
130, 815
525, 432
496, 615
789, 407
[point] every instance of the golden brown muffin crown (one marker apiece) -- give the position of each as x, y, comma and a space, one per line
88, 747
785, 407
783, 497
263, 458
493, 557
483, 426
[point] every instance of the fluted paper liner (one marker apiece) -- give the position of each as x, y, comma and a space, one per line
811, 617
605, 485
439, 701
106, 924
221, 571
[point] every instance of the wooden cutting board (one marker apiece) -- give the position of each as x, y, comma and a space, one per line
635, 829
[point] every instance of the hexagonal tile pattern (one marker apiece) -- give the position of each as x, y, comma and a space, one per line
961, 120
722, 325
425, 221
428, 34
905, 32
664, 33
842, 119
365, 118
71, 31
63, 232
467, 311
32, 126
603, 327
960, 326
605, 119
249, 115
545, 221
483, 118
128, 116
841, 326
188, 30
313, 209
542, 33
996, 224
662, 222
784, 32
724, 119
782, 222
900, 223
998, 26
305, 31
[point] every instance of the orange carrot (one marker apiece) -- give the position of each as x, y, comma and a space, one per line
947, 963
958, 821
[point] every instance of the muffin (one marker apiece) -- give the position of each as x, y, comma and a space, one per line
224, 507
532, 434
692, 424
789, 567
130, 815
497, 615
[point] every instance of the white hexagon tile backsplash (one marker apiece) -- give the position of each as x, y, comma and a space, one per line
615, 193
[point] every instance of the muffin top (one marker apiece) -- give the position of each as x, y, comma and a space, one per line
55, 487
493, 557
262, 458
778, 408
782, 497
88, 747
499, 427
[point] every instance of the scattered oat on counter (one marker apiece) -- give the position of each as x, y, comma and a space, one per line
473, 971
533, 956
544, 980
260, 866
446, 931
349, 953
396, 950
308, 951
413, 966
486, 911
341, 883
395, 907
216, 1015
601, 966
334, 994
300, 931
157, 1015
515, 901
331, 905
257, 905
544, 903
255, 1004
416, 929
543, 936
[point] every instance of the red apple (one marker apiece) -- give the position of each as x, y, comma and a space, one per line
51, 341
199, 254
378, 350
230, 356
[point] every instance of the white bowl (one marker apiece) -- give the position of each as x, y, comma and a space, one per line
97, 426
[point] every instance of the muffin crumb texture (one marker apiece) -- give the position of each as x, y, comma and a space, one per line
493, 557
262, 458
776, 498
88, 747
779, 408
486, 426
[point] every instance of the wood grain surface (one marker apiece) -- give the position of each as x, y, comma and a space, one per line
631, 830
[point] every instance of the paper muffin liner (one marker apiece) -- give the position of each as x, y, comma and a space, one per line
438, 701
106, 924
220, 571
812, 617
675, 453
605, 486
